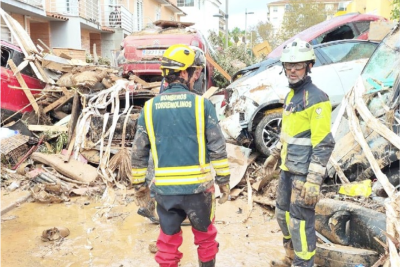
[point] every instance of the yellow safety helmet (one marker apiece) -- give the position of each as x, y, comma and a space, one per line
176, 58
298, 51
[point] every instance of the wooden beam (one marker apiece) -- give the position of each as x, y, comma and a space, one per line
218, 67
22, 82
62, 100
210, 92
47, 128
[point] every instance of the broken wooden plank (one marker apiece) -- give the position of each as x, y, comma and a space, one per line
23, 84
72, 169
218, 67
48, 48
70, 147
136, 79
210, 92
47, 128
56, 63
61, 101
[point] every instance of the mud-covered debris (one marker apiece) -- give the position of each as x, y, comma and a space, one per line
55, 233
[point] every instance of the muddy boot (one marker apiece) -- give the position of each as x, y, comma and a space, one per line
288, 259
149, 211
210, 263
288, 246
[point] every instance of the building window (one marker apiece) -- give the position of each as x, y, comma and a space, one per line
288, 7
186, 3
275, 9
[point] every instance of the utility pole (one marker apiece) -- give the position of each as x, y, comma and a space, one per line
226, 24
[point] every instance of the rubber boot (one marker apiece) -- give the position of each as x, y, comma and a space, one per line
288, 245
210, 263
288, 259
149, 211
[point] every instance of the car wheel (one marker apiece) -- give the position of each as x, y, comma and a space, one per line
267, 132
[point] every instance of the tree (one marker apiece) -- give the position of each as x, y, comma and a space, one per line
231, 59
395, 13
300, 15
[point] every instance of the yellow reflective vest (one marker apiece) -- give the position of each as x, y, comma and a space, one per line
306, 138
182, 131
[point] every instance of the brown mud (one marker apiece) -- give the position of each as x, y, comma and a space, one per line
117, 236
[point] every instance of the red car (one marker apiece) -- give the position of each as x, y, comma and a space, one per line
13, 100
142, 51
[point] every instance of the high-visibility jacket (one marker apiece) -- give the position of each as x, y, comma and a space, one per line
182, 131
306, 138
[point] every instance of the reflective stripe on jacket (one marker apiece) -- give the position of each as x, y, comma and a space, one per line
306, 138
183, 133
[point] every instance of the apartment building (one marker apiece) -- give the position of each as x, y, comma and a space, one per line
79, 24
277, 9
375, 7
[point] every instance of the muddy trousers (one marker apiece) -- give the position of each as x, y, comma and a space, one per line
296, 219
172, 211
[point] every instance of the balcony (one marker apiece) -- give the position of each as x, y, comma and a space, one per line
87, 9
35, 3
118, 16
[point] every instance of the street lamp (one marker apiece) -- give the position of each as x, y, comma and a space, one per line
226, 23
245, 26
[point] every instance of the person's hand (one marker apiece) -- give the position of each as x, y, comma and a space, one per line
225, 190
270, 164
310, 193
142, 195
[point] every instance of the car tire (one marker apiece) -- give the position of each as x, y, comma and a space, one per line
267, 132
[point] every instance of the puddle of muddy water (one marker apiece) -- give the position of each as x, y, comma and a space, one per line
121, 237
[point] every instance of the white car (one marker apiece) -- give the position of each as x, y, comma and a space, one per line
253, 113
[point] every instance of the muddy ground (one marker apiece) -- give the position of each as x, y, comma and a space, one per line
117, 236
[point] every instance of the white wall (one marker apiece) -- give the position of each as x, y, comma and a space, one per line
64, 33
202, 15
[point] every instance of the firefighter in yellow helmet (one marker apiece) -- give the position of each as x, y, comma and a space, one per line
306, 143
181, 131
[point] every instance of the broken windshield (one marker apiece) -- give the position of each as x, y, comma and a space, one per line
383, 66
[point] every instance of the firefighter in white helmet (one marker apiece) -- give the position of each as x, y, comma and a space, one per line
306, 143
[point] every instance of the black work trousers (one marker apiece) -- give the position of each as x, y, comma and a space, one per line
296, 219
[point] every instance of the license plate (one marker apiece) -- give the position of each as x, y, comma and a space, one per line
153, 52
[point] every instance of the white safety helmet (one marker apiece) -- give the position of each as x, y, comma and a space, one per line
298, 51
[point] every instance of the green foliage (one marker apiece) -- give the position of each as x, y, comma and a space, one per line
228, 59
395, 12
301, 15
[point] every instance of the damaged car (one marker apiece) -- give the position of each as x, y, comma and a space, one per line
253, 115
380, 84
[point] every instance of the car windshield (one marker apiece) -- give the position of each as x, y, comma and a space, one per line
383, 67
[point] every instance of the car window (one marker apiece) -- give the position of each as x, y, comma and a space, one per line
18, 57
5, 56
347, 51
382, 68
362, 26
339, 33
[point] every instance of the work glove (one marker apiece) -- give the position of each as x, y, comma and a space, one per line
310, 193
272, 161
142, 195
225, 190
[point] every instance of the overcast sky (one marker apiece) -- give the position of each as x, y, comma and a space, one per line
237, 10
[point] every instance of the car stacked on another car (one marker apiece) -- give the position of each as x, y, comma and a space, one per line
253, 113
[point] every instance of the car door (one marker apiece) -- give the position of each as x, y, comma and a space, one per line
346, 59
